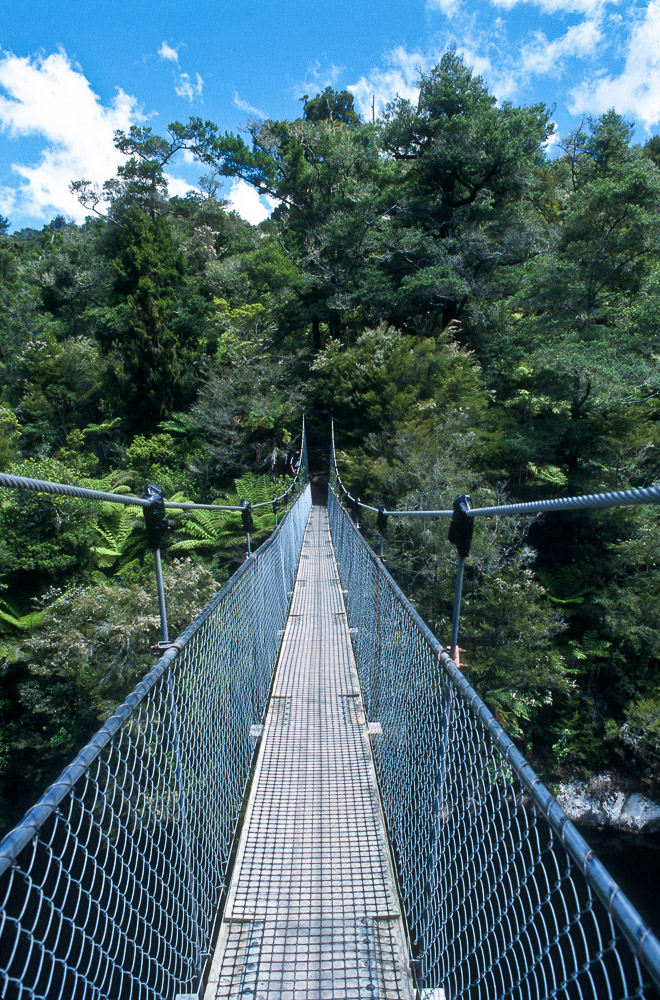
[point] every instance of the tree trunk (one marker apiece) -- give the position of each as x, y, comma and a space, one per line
316, 335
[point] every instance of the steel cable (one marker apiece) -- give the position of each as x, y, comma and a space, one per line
128, 500
502, 895
588, 501
111, 884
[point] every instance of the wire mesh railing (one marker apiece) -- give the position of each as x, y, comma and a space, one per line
111, 885
501, 894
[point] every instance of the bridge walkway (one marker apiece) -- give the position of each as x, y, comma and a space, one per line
312, 911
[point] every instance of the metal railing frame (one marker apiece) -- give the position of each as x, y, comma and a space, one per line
71, 871
361, 570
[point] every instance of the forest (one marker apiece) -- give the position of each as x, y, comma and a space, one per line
479, 309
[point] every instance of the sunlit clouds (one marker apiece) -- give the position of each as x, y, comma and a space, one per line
50, 98
184, 85
635, 91
399, 74
248, 203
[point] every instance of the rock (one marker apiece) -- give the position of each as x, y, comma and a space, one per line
603, 803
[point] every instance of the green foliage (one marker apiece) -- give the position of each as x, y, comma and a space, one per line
331, 105
14, 618
43, 537
121, 544
88, 651
219, 532
640, 733
149, 344
9, 433
480, 319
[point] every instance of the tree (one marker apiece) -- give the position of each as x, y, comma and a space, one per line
66, 678
150, 346
456, 207
580, 349
140, 180
323, 174
332, 106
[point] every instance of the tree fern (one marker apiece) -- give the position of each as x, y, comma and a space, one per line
565, 585
122, 537
15, 618
205, 530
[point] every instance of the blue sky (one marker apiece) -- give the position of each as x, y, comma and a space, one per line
72, 71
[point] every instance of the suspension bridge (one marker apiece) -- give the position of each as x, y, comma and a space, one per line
304, 798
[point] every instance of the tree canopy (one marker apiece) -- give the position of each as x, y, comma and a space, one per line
481, 317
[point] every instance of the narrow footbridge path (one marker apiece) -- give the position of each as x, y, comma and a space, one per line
387, 841
313, 910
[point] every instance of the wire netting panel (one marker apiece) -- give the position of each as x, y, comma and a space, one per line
111, 885
502, 897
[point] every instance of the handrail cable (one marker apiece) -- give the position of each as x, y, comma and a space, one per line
371, 587
111, 884
128, 500
588, 501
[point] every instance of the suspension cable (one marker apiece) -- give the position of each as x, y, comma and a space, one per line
128, 500
588, 501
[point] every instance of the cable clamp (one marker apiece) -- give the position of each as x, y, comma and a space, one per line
610, 902
457, 660
640, 946
162, 647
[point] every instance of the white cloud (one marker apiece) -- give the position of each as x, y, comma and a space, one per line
590, 7
184, 87
636, 90
400, 76
448, 7
48, 97
168, 52
250, 108
245, 200
547, 57
502, 81
552, 142
178, 187
403, 70
317, 78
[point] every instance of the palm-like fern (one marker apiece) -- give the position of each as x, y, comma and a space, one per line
206, 530
122, 536
122, 540
566, 585
15, 617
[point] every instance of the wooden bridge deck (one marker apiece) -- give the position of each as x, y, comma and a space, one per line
312, 911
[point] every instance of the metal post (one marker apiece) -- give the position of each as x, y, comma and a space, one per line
155, 521
381, 523
458, 590
161, 598
460, 535
248, 524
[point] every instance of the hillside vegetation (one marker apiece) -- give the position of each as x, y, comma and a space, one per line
480, 317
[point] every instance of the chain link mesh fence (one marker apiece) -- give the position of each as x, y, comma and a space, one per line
111, 885
501, 894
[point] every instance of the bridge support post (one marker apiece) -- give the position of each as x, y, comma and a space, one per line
155, 521
460, 535
164, 634
248, 523
456, 613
